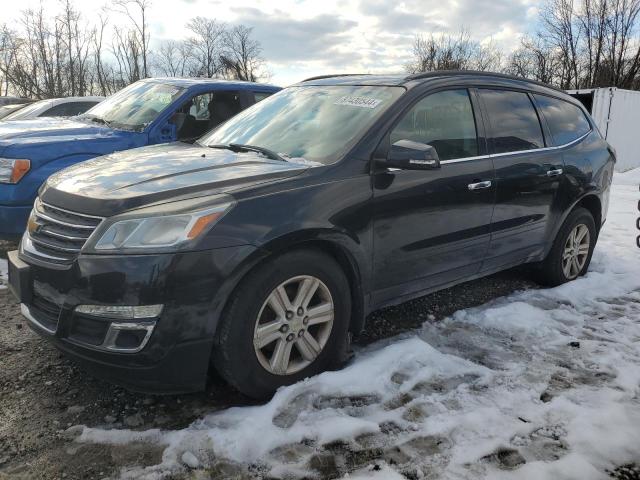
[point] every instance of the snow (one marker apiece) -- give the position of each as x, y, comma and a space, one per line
190, 460
4, 273
453, 396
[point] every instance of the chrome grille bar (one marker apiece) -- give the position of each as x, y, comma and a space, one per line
56, 235
61, 222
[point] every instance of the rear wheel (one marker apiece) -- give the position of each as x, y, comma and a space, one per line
572, 249
286, 321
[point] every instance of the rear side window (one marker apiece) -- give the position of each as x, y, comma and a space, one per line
259, 96
59, 110
76, 108
566, 121
514, 122
443, 120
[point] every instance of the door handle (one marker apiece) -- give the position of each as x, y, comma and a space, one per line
480, 185
554, 173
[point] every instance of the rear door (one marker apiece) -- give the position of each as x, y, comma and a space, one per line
432, 227
528, 177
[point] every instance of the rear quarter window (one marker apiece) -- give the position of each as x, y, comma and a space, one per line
566, 121
514, 122
259, 96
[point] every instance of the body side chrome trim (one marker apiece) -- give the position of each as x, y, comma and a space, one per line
535, 150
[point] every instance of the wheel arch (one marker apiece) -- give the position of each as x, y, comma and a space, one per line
592, 203
329, 243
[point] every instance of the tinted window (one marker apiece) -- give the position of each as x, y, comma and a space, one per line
514, 122
443, 120
566, 121
57, 111
259, 96
76, 108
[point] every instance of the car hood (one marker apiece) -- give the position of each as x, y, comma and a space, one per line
49, 127
45, 138
130, 179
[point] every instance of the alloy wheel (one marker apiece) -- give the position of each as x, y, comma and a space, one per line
294, 325
576, 251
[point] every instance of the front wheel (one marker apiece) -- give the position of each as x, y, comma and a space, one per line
571, 251
286, 321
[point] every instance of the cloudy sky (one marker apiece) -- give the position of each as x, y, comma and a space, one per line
301, 38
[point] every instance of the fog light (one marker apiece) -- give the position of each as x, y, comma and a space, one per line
127, 337
120, 312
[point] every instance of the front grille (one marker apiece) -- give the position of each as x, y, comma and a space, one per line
56, 235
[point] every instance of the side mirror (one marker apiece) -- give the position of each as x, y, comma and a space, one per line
164, 133
409, 155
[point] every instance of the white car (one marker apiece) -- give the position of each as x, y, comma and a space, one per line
55, 107
4, 100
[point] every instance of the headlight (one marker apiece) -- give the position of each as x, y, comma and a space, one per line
13, 169
160, 231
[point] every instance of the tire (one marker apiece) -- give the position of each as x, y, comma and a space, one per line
257, 300
552, 271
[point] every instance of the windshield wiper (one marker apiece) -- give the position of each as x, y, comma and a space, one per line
100, 120
238, 147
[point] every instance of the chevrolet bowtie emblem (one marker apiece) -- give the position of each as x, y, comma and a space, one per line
32, 225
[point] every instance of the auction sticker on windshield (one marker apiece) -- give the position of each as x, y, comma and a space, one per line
363, 102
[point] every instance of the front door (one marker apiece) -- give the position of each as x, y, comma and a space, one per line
528, 177
431, 227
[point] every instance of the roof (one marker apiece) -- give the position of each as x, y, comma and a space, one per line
61, 100
415, 79
189, 82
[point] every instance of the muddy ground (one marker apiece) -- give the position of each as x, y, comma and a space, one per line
43, 394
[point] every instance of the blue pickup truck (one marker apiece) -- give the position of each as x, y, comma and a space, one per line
148, 112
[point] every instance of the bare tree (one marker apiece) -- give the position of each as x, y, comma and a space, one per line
101, 71
535, 60
126, 50
8, 52
449, 52
580, 45
76, 43
136, 12
58, 55
242, 55
205, 46
173, 59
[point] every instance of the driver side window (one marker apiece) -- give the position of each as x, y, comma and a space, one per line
443, 120
203, 112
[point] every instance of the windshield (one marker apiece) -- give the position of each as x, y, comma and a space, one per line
27, 111
316, 123
136, 106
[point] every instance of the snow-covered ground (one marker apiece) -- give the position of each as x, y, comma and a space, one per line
543, 384
3, 273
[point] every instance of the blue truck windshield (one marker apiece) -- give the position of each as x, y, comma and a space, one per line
136, 106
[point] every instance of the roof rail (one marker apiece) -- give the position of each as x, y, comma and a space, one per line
442, 73
320, 77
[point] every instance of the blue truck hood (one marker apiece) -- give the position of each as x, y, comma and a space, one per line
30, 138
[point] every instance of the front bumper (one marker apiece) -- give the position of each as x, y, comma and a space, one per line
13, 221
192, 287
